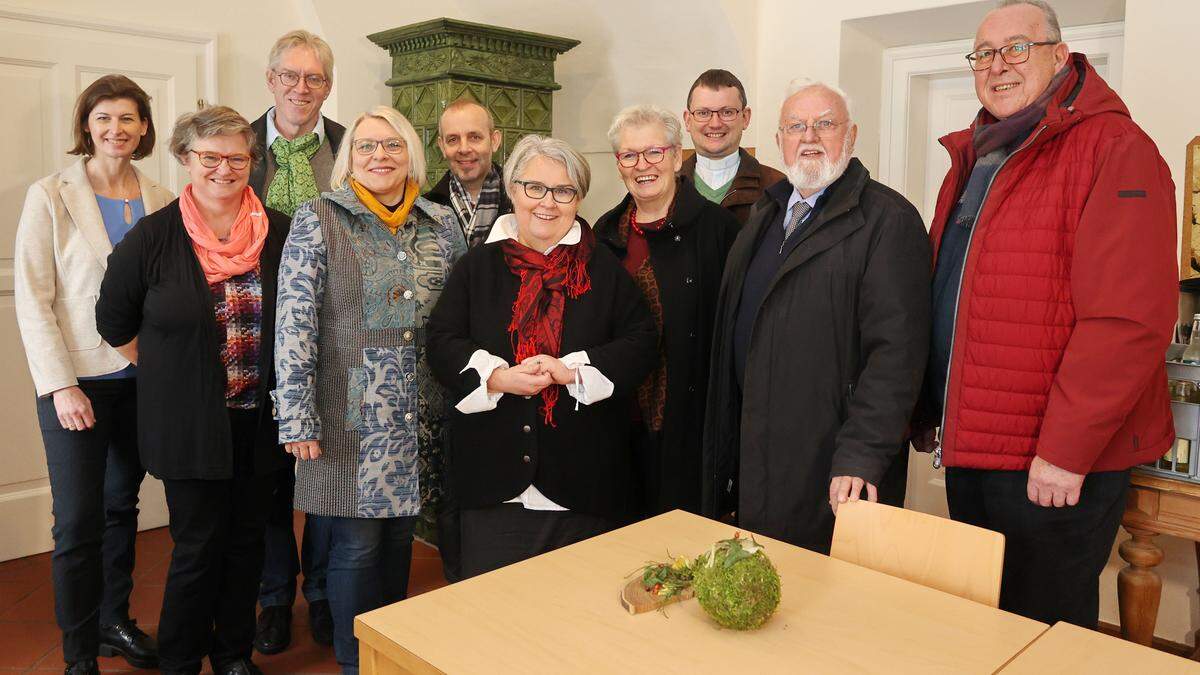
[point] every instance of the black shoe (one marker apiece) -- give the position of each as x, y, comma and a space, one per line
239, 667
274, 631
84, 667
125, 639
320, 621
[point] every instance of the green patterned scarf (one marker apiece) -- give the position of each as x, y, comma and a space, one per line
293, 183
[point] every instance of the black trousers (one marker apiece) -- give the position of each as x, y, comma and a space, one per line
212, 585
500, 535
1053, 557
95, 476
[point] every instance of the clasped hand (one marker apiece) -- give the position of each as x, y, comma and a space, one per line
530, 376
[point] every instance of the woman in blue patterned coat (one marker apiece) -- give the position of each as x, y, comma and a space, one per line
361, 270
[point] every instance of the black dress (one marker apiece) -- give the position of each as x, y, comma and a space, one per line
687, 257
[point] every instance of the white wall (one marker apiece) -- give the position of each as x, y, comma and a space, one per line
637, 51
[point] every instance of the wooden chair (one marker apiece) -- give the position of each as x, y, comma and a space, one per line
957, 558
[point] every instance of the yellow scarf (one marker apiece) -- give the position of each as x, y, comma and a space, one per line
391, 219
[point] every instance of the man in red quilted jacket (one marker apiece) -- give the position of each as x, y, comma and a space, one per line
1054, 300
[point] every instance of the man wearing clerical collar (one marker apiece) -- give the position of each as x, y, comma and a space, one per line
473, 186
716, 115
297, 145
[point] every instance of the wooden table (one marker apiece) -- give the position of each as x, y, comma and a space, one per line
1154, 506
559, 613
1067, 649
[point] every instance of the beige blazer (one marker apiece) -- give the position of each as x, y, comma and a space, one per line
61, 253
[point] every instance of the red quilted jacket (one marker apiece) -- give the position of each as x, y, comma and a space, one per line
1068, 296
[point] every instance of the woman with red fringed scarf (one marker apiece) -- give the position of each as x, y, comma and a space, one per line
542, 339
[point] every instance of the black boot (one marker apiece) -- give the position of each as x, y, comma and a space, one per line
239, 667
320, 622
84, 667
125, 639
274, 631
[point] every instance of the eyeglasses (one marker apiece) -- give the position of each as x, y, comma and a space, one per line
291, 79
653, 154
212, 160
392, 146
726, 114
821, 128
1017, 52
563, 194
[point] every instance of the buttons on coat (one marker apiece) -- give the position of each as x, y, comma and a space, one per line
409, 377
408, 336
527, 459
408, 417
526, 428
678, 238
688, 280
408, 295
401, 256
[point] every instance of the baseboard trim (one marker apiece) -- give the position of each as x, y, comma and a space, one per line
1162, 645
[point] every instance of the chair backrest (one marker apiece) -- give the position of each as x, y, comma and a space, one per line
957, 558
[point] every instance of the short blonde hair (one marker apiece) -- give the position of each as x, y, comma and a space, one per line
533, 145
217, 120
643, 115
416, 151
302, 38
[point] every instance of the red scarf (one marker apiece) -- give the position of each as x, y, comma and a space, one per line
536, 326
637, 251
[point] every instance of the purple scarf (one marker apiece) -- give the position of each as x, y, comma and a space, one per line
1015, 128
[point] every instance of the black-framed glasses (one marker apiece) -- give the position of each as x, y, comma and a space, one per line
212, 160
1017, 52
653, 154
392, 146
291, 79
726, 114
563, 194
821, 128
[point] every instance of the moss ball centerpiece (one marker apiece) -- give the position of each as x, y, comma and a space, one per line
736, 583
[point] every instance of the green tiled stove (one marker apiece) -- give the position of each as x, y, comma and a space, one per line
510, 72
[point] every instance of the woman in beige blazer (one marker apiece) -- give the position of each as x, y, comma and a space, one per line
87, 392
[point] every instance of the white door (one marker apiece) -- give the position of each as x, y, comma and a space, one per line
929, 92
45, 61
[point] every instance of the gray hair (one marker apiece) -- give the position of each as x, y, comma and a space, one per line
1053, 30
302, 38
643, 115
533, 145
803, 83
218, 120
416, 151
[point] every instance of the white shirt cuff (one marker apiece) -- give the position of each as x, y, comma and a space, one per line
591, 386
480, 399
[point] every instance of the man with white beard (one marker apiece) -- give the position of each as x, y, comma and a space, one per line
823, 320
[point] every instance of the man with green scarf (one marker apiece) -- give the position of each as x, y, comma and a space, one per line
298, 146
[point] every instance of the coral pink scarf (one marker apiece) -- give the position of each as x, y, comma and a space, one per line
239, 252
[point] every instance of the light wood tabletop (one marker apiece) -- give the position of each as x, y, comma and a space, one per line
559, 613
1066, 649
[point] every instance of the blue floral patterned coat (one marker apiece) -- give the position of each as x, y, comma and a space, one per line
350, 353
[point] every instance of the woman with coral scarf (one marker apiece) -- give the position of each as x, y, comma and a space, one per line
189, 296
541, 338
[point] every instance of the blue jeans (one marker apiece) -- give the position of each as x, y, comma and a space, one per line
369, 561
281, 564
95, 476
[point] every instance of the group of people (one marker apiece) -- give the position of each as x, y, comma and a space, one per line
303, 328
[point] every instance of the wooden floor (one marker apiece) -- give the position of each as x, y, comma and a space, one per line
30, 640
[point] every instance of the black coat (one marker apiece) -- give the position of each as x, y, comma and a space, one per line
688, 257
584, 462
334, 132
834, 365
154, 290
